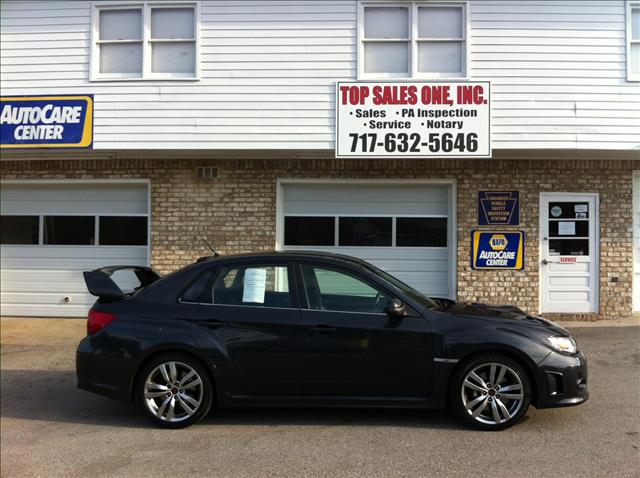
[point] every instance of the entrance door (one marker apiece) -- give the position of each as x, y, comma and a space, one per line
569, 252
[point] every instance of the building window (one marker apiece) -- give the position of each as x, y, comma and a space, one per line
122, 231
74, 230
633, 41
361, 231
19, 230
421, 231
365, 231
145, 41
309, 231
413, 39
69, 230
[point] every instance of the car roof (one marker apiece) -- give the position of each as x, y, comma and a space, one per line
288, 255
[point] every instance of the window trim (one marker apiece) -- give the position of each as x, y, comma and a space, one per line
147, 41
630, 6
413, 40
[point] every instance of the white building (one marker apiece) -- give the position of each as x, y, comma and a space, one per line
246, 88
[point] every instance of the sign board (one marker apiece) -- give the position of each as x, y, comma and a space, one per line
498, 208
46, 121
413, 119
497, 250
255, 282
568, 260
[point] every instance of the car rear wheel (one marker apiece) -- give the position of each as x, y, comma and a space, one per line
174, 390
491, 392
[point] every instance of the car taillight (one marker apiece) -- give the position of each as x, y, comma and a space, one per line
98, 321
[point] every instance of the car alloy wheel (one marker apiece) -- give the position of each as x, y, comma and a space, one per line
175, 391
491, 392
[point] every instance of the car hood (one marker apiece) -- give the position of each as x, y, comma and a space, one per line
507, 313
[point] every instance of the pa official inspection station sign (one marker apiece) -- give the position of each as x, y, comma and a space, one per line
46, 121
413, 119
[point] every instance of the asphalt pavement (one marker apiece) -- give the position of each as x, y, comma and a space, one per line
49, 428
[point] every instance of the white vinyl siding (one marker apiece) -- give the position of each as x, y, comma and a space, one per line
35, 279
558, 72
431, 270
636, 241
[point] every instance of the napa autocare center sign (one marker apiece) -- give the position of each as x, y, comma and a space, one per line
413, 119
46, 121
497, 250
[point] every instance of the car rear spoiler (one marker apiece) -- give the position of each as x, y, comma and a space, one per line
100, 283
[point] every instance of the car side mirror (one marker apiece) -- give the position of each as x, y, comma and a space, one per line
395, 308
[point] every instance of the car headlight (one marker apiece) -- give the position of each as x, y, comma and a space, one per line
563, 344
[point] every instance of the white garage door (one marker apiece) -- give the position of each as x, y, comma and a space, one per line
636, 241
50, 234
405, 229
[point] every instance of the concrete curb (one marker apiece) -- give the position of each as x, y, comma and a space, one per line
628, 322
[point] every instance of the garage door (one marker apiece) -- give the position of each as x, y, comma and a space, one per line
51, 233
405, 229
636, 241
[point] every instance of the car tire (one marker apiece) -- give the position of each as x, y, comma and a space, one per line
491, 406
174, 390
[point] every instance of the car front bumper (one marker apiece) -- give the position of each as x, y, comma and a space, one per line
562, 380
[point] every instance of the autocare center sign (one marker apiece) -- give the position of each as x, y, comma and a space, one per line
416, 119
64, 121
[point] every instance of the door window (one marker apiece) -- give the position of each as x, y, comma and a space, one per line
330, 289
365, 231
568, 228
252, 285
19, 229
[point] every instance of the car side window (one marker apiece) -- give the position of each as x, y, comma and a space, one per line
252, 285
195, 291
341, 291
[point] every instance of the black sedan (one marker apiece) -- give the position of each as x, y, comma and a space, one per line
314, 329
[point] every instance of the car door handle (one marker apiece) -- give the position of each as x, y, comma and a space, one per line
322, 329
212, 324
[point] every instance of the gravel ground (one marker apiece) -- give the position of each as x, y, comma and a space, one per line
49, 428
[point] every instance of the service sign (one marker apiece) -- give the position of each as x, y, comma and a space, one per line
413, 119
497, 250
499, 208
46, 121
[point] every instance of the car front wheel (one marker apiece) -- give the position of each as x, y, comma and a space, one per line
491, 392
174, 391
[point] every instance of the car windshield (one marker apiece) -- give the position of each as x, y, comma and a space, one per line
407, 289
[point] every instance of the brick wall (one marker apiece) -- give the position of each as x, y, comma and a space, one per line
237, 211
